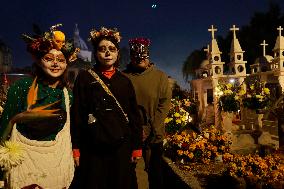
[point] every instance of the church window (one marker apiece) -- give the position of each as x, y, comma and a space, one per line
239, 57
217, 70
240, 68
216, 58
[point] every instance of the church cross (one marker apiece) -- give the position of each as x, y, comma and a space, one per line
212, 30
207, 49
234, 29
280, 29
263, 44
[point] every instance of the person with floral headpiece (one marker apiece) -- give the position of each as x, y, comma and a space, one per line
106, 126
153, 93
35, 125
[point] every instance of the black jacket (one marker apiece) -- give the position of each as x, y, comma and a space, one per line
110, 124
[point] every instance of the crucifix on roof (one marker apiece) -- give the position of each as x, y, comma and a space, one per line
207, 49
234, 29
280, 29
212, 30
263, 44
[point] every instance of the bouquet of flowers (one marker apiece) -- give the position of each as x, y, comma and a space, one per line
189, 147
256, 97
179, 115
255, 168
228, 99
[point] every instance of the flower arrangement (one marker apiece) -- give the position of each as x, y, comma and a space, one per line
228, 99
94, 34
11, 155
256, 97
179, 115
255, 168
189, 147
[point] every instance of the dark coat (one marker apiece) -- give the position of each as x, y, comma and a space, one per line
110, 124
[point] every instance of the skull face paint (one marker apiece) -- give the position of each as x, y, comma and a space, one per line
107, 54
53, 63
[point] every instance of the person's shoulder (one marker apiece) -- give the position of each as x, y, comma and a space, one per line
123, 76
159, 72
21, 85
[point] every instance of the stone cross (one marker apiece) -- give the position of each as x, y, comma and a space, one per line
263, 44
207, 50
212, 30
280, 29
234, 29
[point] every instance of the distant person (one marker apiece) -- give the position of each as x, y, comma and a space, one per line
36, 116
153, 95
106, 125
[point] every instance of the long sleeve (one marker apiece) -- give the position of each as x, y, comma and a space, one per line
162, 110
77, 112
135, 121
12, 107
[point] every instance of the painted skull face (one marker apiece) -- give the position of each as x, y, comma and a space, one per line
107, 53
139, 52
58, 39
53, 63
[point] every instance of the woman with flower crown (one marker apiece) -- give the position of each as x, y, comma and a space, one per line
35, 125
106, 126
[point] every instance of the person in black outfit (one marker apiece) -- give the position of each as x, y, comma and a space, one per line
106, 139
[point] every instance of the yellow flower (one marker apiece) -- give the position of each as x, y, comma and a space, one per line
190, 155
11, 155
177, 114
180, 152
167, 120
229, 85
259, 96
242, 92
252, 87
227, 92
178, 121
266, 91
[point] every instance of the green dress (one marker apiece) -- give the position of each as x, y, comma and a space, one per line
44, 130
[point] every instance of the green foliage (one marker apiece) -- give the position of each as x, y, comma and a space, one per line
192, 63
228, 103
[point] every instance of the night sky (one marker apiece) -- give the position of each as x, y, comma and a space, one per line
175, 27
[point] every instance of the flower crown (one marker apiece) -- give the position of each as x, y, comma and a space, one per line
140, 41
105, 32
41, 44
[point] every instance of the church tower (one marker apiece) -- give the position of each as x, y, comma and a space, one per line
278, 50
237, 64
214, 56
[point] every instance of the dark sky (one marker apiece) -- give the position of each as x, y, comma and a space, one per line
175, 27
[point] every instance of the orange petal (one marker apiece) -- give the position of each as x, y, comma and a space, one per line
45, 111
45, 106
32, 94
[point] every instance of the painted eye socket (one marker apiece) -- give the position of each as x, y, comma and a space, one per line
47, 58
112, 49
51, 59
103, 49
